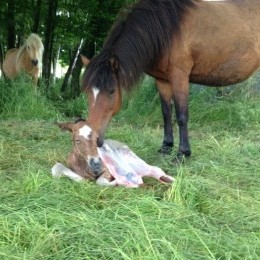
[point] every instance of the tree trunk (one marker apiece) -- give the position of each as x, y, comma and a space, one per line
20, 41
49, 34
71, 68
88, 50
10, 24
37, 16
1, 57
74, 83
55, 61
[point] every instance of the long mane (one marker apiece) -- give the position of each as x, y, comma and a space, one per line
135, 42
34, 42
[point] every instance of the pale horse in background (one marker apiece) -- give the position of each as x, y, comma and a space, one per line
28, 59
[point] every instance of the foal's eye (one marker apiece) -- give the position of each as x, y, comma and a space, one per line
77, 141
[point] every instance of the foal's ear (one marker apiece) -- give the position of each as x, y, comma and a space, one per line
114, 64
65, 126
84, 60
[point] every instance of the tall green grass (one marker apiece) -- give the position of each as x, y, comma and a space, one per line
18, 99
211, 211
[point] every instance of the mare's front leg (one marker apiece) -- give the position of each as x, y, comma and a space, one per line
180, 89
166, 104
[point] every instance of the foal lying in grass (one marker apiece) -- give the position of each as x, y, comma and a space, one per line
111, 165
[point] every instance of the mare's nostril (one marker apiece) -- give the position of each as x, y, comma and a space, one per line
100, 142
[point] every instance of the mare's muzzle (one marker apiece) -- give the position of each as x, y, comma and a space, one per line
100, 141
95, 165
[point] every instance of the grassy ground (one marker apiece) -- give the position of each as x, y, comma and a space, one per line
211, 212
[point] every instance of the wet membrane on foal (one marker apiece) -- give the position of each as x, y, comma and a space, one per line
126, 167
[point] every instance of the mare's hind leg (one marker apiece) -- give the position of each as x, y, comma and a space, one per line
166, 105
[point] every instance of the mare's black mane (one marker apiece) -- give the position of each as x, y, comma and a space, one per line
135, 43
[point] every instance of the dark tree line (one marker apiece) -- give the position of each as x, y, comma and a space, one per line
67, 27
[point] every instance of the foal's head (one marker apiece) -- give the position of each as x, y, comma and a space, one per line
84, 158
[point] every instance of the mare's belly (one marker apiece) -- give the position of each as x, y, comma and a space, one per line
231, 72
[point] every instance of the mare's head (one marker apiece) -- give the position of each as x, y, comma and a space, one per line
84, 156
34, 49
104, 94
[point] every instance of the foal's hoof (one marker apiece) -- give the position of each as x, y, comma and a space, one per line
165, 150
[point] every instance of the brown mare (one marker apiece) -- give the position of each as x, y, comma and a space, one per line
214, 43
28, 58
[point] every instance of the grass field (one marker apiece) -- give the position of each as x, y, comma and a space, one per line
211, 212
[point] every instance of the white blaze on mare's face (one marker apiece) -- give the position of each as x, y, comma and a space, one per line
95, 93
85, 131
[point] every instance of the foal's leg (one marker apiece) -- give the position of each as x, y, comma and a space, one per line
180, 89
166, 105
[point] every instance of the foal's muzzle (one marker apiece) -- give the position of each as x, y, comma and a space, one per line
34, 62
95, 165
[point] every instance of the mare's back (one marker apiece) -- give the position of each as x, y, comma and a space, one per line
223, 41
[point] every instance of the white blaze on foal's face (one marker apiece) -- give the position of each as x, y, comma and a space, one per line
85, 131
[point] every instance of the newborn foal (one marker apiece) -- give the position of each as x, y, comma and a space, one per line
84, 161
120, 167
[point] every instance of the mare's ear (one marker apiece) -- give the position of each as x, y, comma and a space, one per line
79, 119
84, 60
114, 64
65, 126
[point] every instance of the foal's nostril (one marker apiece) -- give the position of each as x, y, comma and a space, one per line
95, 164
35, 62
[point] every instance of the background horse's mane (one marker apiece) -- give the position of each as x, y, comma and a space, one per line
136, 41
33, 41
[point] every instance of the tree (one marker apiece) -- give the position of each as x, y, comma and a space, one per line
48, 44
11, 24
71, 67
101, 18
61, 24
37, 16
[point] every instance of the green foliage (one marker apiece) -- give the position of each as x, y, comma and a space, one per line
74, 20
211, 211
141, 105
234, 107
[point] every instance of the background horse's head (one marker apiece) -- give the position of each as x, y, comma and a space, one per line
34, 48
28, 59
84, 158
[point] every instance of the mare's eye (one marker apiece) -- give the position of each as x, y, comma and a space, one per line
77, 141
111, 92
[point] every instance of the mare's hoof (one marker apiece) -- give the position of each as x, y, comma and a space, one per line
165, 150
180, 158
